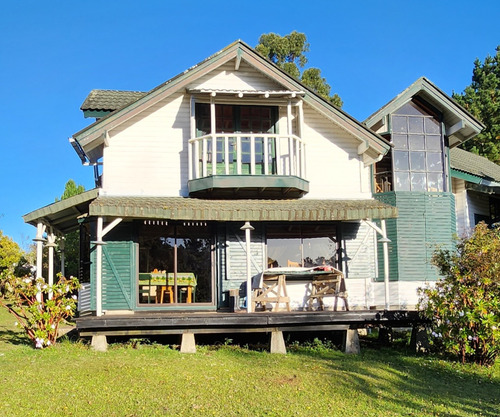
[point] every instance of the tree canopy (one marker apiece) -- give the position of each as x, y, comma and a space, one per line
72, 239
482, 99
289, 53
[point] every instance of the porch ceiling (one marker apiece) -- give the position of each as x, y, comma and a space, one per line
178, 208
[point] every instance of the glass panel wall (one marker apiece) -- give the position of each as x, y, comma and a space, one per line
301, 245
175, 264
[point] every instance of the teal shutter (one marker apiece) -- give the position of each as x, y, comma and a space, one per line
118, 275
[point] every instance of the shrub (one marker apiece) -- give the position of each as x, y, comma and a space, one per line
464, 305
40, 319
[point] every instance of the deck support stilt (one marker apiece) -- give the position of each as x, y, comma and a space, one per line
277, 342
188, 344
419, 341
99, 343
351, 344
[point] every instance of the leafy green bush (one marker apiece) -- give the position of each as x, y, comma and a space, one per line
464, 305
40, 318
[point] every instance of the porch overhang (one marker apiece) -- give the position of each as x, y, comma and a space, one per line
194, 209
63, 215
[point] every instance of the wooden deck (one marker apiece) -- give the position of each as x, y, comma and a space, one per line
154, 323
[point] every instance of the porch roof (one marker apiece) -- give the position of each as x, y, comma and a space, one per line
63, 215
179, 208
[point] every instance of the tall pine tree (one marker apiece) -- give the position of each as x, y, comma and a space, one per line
288, 53
482, 99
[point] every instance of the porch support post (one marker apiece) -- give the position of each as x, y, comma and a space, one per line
290, 139
51, 244
247, 227
277, 342
385, 248
62, 242
98, 272
385, 241
188, 344
40, 230
192, 119
351, 344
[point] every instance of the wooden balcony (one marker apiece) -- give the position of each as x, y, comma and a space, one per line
247, 165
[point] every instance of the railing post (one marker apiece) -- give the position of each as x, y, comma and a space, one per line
226, 155
279, 168
204, 157
266, 155
238, 155
252, 154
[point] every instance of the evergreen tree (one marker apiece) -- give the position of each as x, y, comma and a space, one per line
482, 99
288, 53
72, 239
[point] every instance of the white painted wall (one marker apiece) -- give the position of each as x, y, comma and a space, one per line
148, 155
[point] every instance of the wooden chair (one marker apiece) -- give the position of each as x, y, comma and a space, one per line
170, 292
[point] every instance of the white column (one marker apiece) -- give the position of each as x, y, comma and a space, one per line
62, 242
385, 247
247, 227
40, 230
98, 272
51, 244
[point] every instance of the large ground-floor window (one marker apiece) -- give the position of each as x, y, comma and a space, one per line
175, 263
302, 245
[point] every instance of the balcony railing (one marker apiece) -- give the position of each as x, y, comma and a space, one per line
246, 154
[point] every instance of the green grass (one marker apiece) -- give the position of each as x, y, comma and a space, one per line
72, 380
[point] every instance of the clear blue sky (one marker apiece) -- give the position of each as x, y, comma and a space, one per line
52, 53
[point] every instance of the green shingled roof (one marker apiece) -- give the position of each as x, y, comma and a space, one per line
178, 208
110, 100
474, 164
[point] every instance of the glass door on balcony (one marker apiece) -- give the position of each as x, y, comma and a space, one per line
239, 120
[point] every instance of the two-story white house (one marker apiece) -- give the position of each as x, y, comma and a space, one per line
213, 178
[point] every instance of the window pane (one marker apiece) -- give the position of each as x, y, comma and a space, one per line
435, 182
319, 251
418, 182
432, 126
400, 141
401, 161
433, 142
417, 161
399, 124
283, 252
434, 162
417, 142
402, 181
416, 124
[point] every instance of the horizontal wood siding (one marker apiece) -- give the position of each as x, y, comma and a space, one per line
392, 234
332, 162
359, 251
425, 222
148, 154
236, 254
226, 78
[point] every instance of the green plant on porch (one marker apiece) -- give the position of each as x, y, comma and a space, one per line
40, 308
464, 305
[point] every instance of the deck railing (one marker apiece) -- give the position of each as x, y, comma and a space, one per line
246, 154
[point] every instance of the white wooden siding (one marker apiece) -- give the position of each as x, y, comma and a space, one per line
148, 154
332, 160
226, 78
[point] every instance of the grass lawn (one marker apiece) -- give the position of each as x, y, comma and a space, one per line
70, 379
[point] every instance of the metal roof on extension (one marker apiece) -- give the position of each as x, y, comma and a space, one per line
470, 163
63, 215
179, 208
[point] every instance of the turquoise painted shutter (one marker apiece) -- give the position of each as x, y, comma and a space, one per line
118, 275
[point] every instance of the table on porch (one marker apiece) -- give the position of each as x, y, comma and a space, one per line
324, 282
164, 283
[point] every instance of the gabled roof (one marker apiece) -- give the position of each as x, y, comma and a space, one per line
478, 169
372, 146
459, 123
